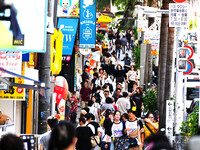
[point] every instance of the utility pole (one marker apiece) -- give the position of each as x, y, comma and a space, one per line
44, 76
179, 110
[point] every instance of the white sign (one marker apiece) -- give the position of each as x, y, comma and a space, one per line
178, 15
169, 119
152, 38
142, 25
11, 61
84, 51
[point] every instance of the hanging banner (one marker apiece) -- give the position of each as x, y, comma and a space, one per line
59, 93
152, 38
14, 93
178, 15
87, 23
68, 8
142, 25
68, 28
24, 26
11, 61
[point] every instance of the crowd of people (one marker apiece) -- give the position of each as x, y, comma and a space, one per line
111, 104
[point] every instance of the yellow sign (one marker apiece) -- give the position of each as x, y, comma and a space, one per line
14, 93
56, 52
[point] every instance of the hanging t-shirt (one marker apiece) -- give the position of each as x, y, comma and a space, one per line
117, 129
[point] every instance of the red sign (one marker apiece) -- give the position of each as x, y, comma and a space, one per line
189, 69
191, 52
59, 91
179, 1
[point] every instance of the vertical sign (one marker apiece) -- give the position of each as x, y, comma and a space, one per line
169, 119
68, 28
178, 15
87, 23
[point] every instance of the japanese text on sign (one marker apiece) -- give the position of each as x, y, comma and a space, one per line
178, 15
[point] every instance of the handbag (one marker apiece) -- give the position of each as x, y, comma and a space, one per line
95, 141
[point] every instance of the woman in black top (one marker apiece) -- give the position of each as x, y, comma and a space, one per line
137, 100
119, 74
83, 135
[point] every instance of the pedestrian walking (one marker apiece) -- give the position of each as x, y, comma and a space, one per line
118, 140
85, 95
106, 139
83, 135
85, 75
44, 138
124, 44
113, 62
131, 77
95, 82
119, 74
63, 137
123, 103
117, 94
128, 37
127, 60
108, 105
137, 101
150, 127
133, 130
74, 102
118, 45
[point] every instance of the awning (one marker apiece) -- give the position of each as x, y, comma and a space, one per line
104, 19
38, 84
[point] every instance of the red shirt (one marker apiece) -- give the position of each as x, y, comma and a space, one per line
85, 93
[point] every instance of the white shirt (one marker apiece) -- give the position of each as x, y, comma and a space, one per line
117, 129
123, 104
132, 75
132, 125
113, 60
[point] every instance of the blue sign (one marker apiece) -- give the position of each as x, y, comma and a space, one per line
87, 23
68, 27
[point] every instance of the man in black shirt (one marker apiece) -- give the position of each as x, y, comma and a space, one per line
85, 76
118, 45
128, 37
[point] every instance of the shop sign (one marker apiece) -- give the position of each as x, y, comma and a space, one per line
27, 29
87, 23
68, 28
13, 93
152, 38
68, 8
142, 25
178, 15
11, 61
